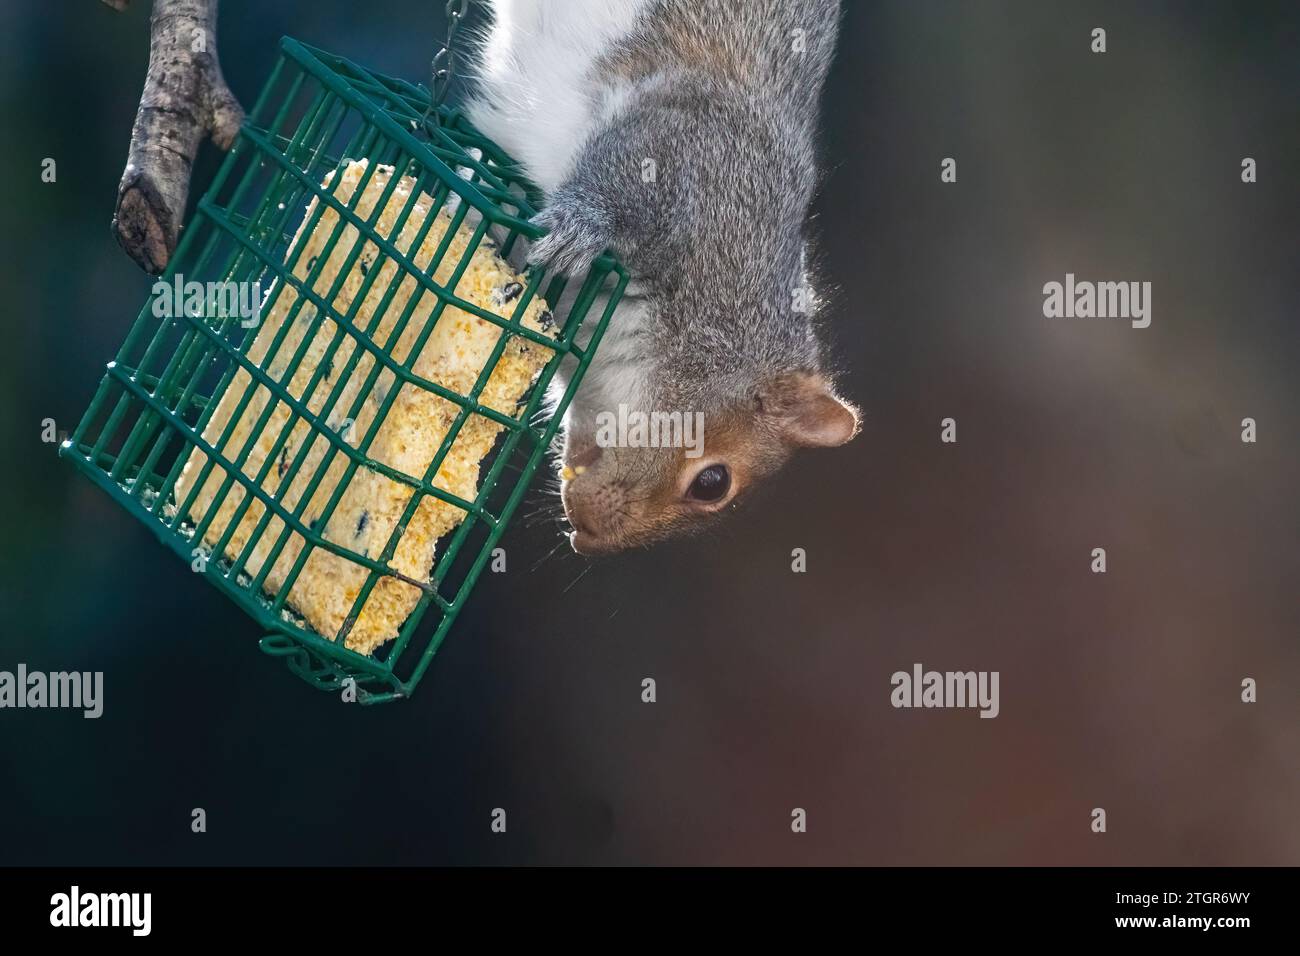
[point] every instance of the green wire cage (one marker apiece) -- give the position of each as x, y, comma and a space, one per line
316, 114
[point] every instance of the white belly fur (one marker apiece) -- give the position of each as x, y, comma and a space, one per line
537, 100
535, 95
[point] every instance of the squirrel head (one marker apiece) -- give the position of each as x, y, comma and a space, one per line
636, 473
715, 338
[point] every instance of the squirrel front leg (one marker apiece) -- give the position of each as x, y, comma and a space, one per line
577, 228
606, 203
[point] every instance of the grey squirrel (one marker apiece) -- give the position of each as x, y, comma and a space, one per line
720, 96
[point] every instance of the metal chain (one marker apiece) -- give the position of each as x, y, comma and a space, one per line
444, 61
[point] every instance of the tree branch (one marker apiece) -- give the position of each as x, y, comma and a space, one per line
185, 100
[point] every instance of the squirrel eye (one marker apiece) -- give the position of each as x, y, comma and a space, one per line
711, 484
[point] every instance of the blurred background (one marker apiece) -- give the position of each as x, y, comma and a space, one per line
1118, 690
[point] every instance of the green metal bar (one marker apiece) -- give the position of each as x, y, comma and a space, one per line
284, 395
342, 382
195, 356
270, 502
520, 489
251, 605
392, 252
402, 373
306, 129
444, 448
310, 389
313, 274
180, 359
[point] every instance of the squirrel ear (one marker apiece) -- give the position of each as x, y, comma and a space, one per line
807, 411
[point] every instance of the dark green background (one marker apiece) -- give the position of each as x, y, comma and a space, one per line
1118, 691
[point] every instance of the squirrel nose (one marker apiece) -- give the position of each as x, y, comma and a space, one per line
576, 520
579, 525
589, 545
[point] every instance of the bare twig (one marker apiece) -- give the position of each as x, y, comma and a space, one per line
185, 99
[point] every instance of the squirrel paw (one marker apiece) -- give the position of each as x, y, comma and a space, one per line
572, 242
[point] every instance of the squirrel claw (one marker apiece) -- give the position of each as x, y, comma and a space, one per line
572, 243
